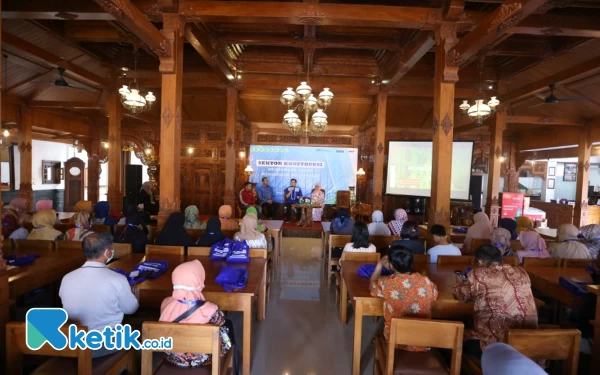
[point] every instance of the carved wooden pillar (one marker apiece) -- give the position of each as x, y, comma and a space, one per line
114, 111
583, 178
93, 164
379, 151
25, 139
171, 69
497, 133
446, 76
230, 194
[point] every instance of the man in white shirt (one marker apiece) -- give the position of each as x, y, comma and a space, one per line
442, 246
94, 295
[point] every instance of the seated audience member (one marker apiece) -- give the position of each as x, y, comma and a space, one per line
317, 196
400, 217
502, 359
266, 198
568, 246
481, 228
213, 233
405, 293
227, 223
248, 197
524, 224
188, 282
501, 239
410, 238
82, 227
173, 233
534, 246
377, 226
510, 225
102, 215
502, 296
10, 224
44, 205
342, 224
591, 233
94, 295
22, 206
146, 198
262, 228
359, 243
249, 233
192, 218
43, 226
133, 234
81, 206
442, 246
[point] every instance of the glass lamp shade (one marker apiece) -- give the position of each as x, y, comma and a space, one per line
319, 119
311, 103
493, 103
150, 98
288, 96
479, 109
303, 90
249, 169
464, 107
325, 97
124, 90
291, 119
360, 172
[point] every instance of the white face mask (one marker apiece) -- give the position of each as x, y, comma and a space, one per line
112, 255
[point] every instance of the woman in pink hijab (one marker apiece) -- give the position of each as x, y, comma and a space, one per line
188, 282
534, 246
22, 206
43, 205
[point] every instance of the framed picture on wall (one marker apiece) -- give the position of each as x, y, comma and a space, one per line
550, 183
570, 172
552, 171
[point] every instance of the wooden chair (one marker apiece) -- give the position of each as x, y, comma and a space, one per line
187, 338
63, 227
476, 243
421, 259
195, 233
65, 246
454, 259
541, 262
516, 245
576, 263
335, 240
419, 332
205, 251
101, 228
512, 261
382, 243
165, 250
548, 344
121, 249
8, 246
358, 257
65, 361
34, 245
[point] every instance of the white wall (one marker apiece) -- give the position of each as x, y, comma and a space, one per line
51, 151
564, 189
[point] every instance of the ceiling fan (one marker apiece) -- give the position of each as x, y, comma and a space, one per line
61, 82
551, 99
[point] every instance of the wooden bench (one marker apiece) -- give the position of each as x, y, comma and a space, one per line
335, 240
165, 250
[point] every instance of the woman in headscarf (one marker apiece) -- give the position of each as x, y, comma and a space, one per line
133, 234
10, 224
82, 227
501, 239
249, 233
510, 225
43, 205
81, 206
534, 246
22, 206
173, 233
101, 215
524, 224
378, 227
188, 282
481, 228
227, 223
396, 225
342, 224
591, 233
145, 194
213, 233
262, 228
43, 226
568, 247
317, 196
192, 218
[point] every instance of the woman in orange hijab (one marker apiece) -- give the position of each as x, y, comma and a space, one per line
227, 223
188, 282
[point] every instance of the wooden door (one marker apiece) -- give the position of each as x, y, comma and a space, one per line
74, 182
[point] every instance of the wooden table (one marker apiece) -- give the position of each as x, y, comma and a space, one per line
545, 280
274, 227
445, 307
307, 219
153, 292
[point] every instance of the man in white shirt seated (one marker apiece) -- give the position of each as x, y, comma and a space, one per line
94, 295
442, 246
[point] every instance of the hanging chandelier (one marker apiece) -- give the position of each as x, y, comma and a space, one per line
131, 98
315, 119
480, 110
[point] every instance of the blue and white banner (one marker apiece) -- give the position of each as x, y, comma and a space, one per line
334, 168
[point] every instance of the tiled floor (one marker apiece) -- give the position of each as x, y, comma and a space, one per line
302, 334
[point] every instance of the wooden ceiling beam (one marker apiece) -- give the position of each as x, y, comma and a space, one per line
558, 25
135, 21
63, 104
539, 120
414, 51
298, 69
309, 49
81, 32
199, 40
52, 59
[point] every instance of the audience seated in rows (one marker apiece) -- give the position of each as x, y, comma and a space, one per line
568, 246
262, 228
342, 224
249, 233
502, 359
94, 295
409, 238
44, 205
133, 233
534, 246
395, 226
213, 233
11, 228
591, 233
502, 296
524, 224
405, 293
481, 228
192, 218
377, 226
510, 225
359, 242
82, 227
225, 213
173, 233
102, 215
501, 239
442, 246
22, 206
81, 206
43, 226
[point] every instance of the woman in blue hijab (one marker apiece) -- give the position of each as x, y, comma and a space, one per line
101, 215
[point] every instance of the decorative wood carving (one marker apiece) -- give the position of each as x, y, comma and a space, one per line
453, 59
310, 16
447, 124
380, 147
167, 117
506, 17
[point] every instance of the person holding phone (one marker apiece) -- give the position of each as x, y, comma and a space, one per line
292, 195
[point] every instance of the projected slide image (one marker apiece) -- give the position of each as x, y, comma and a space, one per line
333, 167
